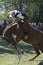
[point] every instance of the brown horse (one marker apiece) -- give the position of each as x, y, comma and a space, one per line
23, 30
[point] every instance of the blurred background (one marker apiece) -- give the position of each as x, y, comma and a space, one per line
34, 8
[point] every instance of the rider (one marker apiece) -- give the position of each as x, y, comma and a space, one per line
23, 17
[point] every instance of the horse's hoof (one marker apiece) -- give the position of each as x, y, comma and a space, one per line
19, 56
31, 59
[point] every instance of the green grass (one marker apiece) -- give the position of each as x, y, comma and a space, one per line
8, 55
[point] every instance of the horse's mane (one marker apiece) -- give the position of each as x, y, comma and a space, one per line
34, 28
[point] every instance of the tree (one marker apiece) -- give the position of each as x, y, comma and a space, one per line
34, 8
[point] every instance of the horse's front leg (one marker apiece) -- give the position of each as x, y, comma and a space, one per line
18, 38
20, 51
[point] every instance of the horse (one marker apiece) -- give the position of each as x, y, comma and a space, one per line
22, 30
26, 32
30, 34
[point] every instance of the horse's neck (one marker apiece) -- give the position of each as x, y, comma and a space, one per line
28, 27
31, 27
25, 26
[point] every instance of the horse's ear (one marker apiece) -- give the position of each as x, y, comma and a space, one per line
22, 21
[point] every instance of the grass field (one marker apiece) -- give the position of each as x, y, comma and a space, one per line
8, 55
